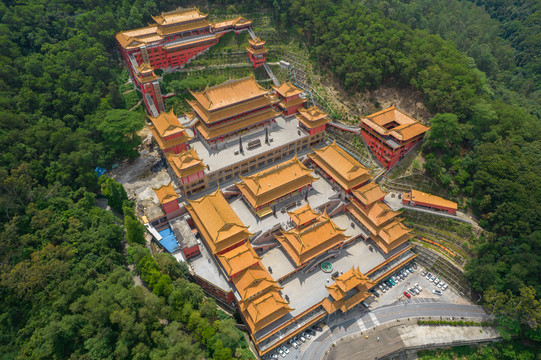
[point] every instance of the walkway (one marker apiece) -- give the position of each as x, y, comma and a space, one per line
344, 127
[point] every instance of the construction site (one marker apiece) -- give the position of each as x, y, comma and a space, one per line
284, 206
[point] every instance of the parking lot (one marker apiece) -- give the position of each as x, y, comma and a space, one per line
396, 293
295, 353
392, 296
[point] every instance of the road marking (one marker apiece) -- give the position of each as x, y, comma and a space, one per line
374, 318
361, 324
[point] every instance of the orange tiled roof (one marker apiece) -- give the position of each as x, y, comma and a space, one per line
145, 68
236, 125
166, 193
186, 163
271, 184
233, 22
287, 89
257, 41
167, 124
258, 51
220, 226
369, 193
429, 199
374, 216
254, 280
287, 104
230, 111
179, 16
229, 93
312, 117
302, 245
392, 121
392, 235
303, 215
238, 259
348, 281
179, 20
264, 309
343, 168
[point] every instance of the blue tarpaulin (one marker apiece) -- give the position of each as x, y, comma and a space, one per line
100, 171
169, 241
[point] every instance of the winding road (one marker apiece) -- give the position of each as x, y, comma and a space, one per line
344, 326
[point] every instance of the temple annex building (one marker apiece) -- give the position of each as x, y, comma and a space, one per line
170, 42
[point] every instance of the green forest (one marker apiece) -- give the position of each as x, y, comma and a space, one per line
65, 290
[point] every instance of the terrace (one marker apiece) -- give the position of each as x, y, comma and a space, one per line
283, 132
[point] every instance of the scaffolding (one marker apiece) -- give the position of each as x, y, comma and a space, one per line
442, 267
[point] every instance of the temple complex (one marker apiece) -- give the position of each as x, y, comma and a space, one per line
290, 99
350, 289
390, 134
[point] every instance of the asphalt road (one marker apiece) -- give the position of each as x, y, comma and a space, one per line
315, 349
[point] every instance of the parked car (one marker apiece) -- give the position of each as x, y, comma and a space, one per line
433, 278
410, 269
281, 352
412, 291
306, 335
407, 295
311, 332
424, 272
381, 288
444, 287
436, 281
317, 328
296, 339
302, 338
428, 276
392, 281
293, 343
284, 348
274, 356
418, 287
386, 286
375, 293
440, 284
437, 292
414, 266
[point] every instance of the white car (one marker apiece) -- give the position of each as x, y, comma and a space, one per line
281, 352
436, 282
444, 286
437, 292
302, 338
306, 335
440, 284
284, 348
273, 356
433, 278
293, 343
418, 287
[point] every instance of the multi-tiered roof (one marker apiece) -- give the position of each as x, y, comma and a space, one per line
177, 21
167, 130
312, 117
304, 244
350, 289
271, 184
341, 166
185, 163
219, 107
220, 227
395, 123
